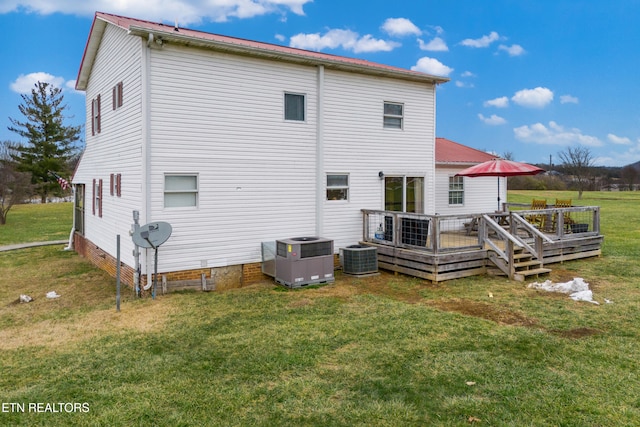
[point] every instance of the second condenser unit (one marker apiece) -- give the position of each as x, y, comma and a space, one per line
302, 261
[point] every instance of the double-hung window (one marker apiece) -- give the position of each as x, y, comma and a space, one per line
95, 115
117, 96
393, 115
180, 190
338, 186
294, 107
456, 190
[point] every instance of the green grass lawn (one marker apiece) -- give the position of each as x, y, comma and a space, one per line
37, 223
383, 351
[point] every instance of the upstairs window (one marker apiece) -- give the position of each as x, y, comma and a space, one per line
393, 115
95, 115
338, 187
117, 96
456, 190
294, 107
115, 184
180, 191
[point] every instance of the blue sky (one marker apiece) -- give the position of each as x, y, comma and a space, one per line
528, 77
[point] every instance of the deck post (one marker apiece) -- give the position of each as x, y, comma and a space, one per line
596, 219
435, 236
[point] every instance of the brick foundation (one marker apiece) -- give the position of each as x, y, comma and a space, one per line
224, 277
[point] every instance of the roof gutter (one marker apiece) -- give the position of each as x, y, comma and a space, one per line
261, 52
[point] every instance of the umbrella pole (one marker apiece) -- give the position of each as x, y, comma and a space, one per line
498, 194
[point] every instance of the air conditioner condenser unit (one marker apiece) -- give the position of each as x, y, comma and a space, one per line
303, 261
359, 259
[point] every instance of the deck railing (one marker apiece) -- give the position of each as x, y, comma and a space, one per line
451, 233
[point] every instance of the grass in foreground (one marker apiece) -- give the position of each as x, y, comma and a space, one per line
385, 351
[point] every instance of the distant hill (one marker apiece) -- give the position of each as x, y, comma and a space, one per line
635, 165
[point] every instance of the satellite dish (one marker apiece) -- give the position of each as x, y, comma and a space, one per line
152, 235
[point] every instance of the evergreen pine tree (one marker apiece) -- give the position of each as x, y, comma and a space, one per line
49, 144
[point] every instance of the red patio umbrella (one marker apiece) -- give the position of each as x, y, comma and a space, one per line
500, 168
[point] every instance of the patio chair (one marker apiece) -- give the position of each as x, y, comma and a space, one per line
538, 220
566, 216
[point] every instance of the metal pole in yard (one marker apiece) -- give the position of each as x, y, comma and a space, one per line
118, 273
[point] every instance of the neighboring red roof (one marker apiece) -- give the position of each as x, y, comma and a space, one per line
247, 47
449, 152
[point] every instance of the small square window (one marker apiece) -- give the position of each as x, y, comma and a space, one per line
338, 187
393, 115
294, 107
180, 191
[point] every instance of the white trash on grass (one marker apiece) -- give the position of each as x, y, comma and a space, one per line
25, 298
52, 295
577, 289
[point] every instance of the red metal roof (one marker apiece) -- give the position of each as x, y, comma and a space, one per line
451, 152
238, 45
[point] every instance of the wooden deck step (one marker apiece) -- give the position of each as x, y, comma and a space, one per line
527, 263
522, 275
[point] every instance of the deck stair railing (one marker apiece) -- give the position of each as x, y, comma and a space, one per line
512, 254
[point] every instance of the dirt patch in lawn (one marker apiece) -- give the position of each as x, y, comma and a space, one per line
576, 333
484, 311
83, 326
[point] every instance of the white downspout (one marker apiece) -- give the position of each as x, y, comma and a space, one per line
320, 176
146, 151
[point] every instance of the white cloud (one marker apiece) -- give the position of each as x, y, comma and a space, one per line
280, 38
186, 12
467, 74
501, 102
513, 50
432, 66
400, 27
24, 83
568, 99
533, 98
621, 140
483, 41
464, 84
494, 120
435, 45
346, 39
554, 135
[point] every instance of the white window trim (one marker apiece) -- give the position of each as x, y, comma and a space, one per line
450, 190
304, 106
395, 116
196, 191
338, 187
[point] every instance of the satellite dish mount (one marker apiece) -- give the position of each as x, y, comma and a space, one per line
151, 236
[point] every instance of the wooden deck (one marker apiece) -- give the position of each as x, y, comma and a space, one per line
439, 248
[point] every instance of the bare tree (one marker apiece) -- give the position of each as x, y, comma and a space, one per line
629, 175
578, 162
15, 186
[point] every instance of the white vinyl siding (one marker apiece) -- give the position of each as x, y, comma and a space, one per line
480, 194
117, 148
221, 116
355, 141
